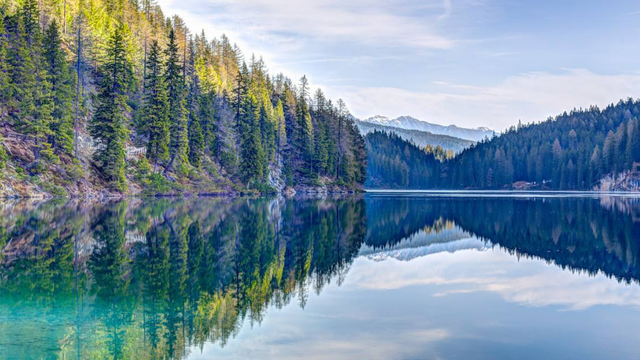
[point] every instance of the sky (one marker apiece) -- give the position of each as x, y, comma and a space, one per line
465, 62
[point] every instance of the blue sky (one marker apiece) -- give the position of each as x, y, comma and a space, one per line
464, 62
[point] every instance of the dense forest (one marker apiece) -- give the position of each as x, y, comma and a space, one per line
395, 163
579, 150
114, 95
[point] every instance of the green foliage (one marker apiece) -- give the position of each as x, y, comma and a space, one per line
157, 184
108, 125
395, 163
62, 90
154, 123
178, 145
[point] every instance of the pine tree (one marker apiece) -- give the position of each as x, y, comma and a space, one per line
5, 69
305, 138
59, 76
240, 94
179, 142
22, 75
108, 123
252, 154
154, 123
195, 128
281, 131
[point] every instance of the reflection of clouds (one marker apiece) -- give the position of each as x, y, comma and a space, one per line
281, 339
523, 281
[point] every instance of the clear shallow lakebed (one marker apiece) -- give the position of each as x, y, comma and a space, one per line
385, 275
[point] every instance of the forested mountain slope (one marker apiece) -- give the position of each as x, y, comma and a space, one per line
581, 150
573, 151
115, 97
418, 137
395, 163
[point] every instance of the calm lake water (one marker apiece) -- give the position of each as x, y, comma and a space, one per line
380, 276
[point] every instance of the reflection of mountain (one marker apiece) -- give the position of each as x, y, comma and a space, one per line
408, 253
440, 237
150, 280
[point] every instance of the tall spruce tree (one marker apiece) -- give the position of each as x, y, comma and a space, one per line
195, 128
154, 124
305, 125
4, 65
252, 153
62, 83
108, 123
179, 142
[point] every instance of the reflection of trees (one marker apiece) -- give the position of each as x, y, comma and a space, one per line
591, 235
149, 280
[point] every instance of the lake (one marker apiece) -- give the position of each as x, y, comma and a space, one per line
385, 275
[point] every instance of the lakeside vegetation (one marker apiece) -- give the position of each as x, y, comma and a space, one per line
115, 96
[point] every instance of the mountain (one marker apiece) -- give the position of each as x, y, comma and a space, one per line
410, 123
418, 137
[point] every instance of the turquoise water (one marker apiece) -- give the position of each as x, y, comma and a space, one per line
380, 276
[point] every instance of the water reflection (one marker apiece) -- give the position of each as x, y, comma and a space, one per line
164, 278
591, 235
146, 280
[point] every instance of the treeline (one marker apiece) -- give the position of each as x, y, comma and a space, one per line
144, 83
572, 151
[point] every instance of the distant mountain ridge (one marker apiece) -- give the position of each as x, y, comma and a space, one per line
418, 137
411, 123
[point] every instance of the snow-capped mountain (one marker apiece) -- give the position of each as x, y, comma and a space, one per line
410, 123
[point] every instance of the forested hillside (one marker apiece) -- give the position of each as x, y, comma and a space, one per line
116, 97
573, 151
394, 163
581, 150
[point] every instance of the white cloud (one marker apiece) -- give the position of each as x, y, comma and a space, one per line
527, 97
372, 22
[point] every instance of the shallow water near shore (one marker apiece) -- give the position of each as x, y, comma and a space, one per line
386, 275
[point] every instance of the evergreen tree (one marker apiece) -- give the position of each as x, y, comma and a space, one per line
59, 76
5, 69
305, 125
252, 154
22, 75
108, 125
155, 120
195, 128
179, 142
